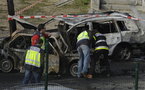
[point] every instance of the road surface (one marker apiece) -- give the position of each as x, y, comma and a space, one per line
120, 80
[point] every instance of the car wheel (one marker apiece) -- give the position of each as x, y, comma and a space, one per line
122, 53
73, 69
6, 65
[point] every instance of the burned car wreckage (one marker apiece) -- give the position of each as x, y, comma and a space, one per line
121, 33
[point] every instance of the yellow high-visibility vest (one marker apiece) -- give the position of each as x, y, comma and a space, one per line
83, 35
33, 56
43, 44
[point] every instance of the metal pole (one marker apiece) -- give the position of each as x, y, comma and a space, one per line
136, 75
11, 11
46, 64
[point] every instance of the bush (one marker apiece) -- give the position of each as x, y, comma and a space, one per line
82, 2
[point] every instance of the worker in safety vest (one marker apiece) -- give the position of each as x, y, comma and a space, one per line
84, 53
101, 51
40, 34
33, 63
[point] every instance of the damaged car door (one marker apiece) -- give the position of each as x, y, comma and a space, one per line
123, 50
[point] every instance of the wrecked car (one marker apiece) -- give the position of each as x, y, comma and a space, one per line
13, 49
121, 33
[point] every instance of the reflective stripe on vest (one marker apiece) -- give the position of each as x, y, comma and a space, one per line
94, 38
98, 34
33, 56
102, 47
100, 41
43, 45
82, 35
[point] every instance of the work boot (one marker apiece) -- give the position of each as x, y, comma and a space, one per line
90, 76
85, 75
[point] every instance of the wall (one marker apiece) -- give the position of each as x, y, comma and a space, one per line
117, 5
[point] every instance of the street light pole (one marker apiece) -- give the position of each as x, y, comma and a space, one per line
11, 12
47, 61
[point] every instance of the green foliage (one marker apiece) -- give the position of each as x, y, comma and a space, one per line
35, 10
82, 2
81, 5
86, 1
24, 2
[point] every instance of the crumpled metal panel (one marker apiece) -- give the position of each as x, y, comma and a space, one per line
53, 64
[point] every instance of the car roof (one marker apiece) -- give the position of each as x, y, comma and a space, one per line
73, 20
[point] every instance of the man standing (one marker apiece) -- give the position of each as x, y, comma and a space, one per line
40, 34
84, 53
33, 63
100, 53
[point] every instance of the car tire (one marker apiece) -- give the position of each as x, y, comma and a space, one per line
122, 53
6, 65
73, 69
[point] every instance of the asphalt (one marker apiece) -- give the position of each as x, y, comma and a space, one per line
122, 78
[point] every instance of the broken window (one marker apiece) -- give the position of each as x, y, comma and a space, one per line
21, 42
52, 46
105, 27
74, 33
73, 37
122, 25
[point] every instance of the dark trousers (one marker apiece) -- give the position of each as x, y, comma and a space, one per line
40, 75
28, 76
102, 57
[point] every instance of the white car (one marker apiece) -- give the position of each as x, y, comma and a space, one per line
122, 31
